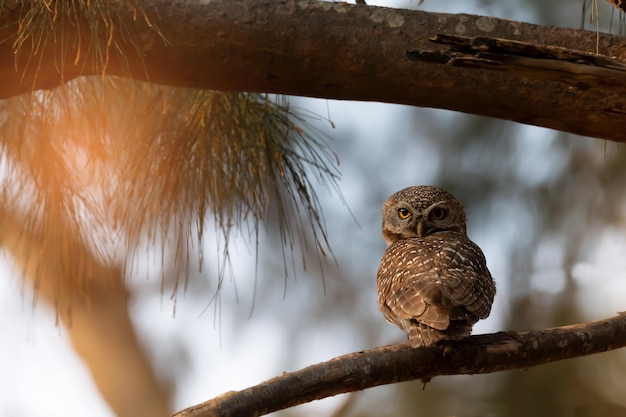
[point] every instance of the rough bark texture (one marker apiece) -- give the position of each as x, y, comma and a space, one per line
334, 50
397, 363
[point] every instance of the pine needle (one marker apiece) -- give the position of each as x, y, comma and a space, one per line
106, 160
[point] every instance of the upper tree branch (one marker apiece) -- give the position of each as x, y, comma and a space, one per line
334, 50
397, 363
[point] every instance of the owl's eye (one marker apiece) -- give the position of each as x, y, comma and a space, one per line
404, 213
438, 213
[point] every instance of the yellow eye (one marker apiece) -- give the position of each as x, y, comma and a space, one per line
438, 213
404, 213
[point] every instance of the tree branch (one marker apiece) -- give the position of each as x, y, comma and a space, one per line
331, 50
396, 363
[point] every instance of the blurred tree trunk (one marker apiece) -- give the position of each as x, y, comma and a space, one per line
95, 316
331, 50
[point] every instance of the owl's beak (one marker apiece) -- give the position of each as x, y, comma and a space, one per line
420, 229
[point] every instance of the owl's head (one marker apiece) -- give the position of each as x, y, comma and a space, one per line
415, 212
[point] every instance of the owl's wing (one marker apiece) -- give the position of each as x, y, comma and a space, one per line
467, 282
443, 285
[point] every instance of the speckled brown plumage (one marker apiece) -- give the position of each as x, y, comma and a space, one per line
433, 281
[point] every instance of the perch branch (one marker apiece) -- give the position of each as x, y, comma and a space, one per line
396, 363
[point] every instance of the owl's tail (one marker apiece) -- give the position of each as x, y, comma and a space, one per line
423, 335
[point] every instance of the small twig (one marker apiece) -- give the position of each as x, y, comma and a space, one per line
620, 4
397, 363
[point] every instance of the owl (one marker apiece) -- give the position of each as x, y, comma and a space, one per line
433, 281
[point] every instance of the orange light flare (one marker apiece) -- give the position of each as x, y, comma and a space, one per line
117, 167
64, 167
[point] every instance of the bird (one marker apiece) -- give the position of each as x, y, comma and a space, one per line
433, 281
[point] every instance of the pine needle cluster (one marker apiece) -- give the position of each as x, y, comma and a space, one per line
108, 162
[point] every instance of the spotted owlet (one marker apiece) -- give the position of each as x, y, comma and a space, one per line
433, 281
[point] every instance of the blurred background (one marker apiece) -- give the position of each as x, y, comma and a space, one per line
547, 208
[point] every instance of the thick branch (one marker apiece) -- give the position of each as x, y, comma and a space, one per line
333, 50
397, 363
